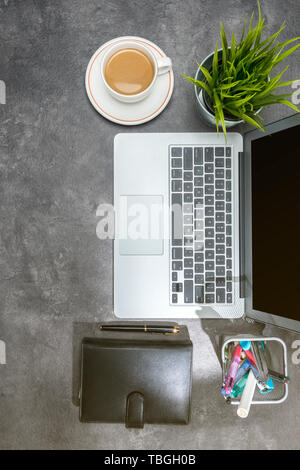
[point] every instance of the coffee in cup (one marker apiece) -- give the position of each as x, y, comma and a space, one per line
129, 70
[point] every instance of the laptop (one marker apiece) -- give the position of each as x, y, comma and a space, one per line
206, 228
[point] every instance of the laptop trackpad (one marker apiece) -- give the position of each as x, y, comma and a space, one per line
140, 230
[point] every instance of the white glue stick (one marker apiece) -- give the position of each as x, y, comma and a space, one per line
247, 396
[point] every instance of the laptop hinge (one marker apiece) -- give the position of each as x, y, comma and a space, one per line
242, 222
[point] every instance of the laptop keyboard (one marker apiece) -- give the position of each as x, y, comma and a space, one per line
201, 239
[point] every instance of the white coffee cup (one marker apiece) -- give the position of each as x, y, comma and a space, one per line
161, 65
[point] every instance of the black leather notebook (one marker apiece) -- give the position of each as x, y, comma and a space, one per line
136, 378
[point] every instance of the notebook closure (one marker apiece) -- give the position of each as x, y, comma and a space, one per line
135, 410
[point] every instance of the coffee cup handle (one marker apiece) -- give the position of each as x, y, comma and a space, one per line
164, 65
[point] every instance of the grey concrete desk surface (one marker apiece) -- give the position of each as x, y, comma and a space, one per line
56, 168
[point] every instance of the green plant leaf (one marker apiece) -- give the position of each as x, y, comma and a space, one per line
207, 75
215, 65
220, 111
200, 84
291, 105
285, 55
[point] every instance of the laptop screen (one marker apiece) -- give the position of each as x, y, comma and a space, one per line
275, 223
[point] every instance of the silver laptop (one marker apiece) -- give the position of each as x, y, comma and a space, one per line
203, 227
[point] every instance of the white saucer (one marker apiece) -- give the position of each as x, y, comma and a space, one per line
128, 114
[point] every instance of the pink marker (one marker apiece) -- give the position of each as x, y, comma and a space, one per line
231, 374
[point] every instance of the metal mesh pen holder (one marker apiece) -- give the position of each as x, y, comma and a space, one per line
276, 354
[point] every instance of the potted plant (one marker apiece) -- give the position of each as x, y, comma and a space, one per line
233, 83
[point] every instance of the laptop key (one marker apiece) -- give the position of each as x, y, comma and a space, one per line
188, 274
199, 268
198, 202
220, 282
220, 249
174, 298
220, 195
188, 262
209, 276
209, 287
228, 264
188, 176
209, 211
229, 286
198, 181
199, 246
220, 238
177, 265
174, 276
228, 151
220, 227
229, 298
198, 170
176, 163
209, 233
219, 151
219, 162
220, 184
209, 168
199, 279
220, 173
220, 259
209, 243
229, 275
188, 158
209, 254
199, 257
176, 253
220, 296
176, 186
228, 207
188, 291
199, 294
176, 152
198, 155
209, 154
209, 200
220, 216
209, 299
209, 222
198, 192
209, 189
188, 197
198, 213
209, 178
209, 265
188, 241
188, 187
176, 173
220, 271
228, 241
188, 252
188, 219
188, 230
220, 205
177, 287
199, 224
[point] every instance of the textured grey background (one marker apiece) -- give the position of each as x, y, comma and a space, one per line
56, 167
